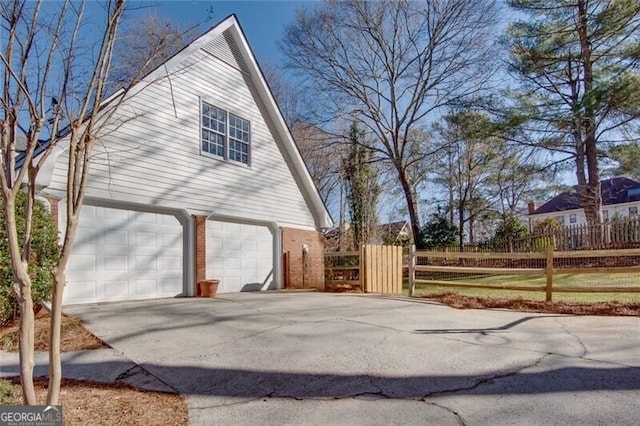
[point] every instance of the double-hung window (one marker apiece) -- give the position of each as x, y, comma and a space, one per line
225, 135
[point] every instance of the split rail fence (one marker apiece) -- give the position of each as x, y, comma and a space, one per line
374, 268
475, 270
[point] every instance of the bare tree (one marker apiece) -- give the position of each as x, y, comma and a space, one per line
323, 157
471, 157
148, 36
56, 61
392, 66
323, 152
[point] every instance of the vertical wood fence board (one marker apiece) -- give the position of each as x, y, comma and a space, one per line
384, 264
380, 269
371, 269
377, 274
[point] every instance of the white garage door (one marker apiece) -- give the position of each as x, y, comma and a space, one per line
240, 256
124, 255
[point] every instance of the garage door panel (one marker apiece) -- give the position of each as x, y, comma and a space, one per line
117, 238
171, 263
115, 263
144, 287
146, 239
167, 286
88, 212
81, 290
141, 217
82, 263
115, 290
233, 263
240, 256
172, 239
249, 245
83, 242
145, 263
122, 254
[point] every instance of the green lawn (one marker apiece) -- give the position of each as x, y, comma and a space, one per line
566, 280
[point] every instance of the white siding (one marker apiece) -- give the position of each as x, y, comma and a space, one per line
611, 209
155, 157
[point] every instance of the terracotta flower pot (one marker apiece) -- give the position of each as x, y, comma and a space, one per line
208, 288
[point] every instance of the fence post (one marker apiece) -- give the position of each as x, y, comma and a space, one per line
412, 270
549, 273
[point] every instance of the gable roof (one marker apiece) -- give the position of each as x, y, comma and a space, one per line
393, 229
244, 59
613, 191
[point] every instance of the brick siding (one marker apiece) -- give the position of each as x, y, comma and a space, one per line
200, 249
305, 270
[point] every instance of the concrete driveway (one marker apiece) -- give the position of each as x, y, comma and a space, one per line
315, 358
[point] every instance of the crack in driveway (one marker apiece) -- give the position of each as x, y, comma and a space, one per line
563, 327
488, 379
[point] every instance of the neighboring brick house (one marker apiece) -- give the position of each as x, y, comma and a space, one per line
620, 197
202, 180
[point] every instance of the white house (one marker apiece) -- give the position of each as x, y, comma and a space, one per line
201, 180
620, 197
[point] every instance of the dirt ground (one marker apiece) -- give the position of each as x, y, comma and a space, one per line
86, 403
74, 337
468, 302
115, 404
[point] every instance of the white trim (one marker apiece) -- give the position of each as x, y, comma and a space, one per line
226, 135
183, 217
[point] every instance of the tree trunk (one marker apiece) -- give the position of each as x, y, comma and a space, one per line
26, 342
461, 227
22, 290
591, 196
412, 205
55, 364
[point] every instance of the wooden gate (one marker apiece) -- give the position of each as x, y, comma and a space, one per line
381, 269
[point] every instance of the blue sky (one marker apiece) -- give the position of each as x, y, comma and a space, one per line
262, 21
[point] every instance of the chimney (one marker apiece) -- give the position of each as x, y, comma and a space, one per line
532, 206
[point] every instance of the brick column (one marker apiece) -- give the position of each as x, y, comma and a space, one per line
200, 252
306, 270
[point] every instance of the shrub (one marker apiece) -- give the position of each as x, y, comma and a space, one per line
44, 253
507, 232
438, 232
547, 226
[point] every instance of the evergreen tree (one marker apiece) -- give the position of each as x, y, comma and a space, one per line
438, 232
577, 62
363, 190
